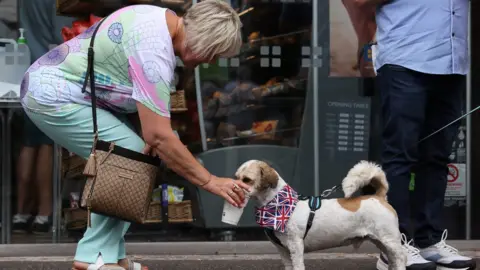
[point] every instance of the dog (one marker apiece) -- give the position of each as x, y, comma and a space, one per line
295, 225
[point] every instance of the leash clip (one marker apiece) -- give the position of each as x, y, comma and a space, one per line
326, 193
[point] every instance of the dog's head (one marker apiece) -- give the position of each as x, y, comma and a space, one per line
259, 175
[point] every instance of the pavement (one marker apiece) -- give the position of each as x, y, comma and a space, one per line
203, 255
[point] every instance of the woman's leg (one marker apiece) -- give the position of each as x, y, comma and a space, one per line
44, 179
25, 166
72, 128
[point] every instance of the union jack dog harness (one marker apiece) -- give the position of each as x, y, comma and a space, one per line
275, 214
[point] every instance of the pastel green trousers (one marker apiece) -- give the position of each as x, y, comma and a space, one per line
72, 127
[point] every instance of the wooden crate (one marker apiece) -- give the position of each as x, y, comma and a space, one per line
180, 212
75, 8
178, 101
81, 8
72, 166
75, 218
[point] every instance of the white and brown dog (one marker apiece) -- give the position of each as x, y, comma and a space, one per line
296, 227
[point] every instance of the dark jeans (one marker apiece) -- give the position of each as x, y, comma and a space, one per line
414, 105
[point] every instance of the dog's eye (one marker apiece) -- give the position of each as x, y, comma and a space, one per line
247, 180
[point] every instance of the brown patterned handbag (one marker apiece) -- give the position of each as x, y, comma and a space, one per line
119, 181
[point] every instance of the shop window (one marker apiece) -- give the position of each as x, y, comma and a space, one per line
258, 96
252, 105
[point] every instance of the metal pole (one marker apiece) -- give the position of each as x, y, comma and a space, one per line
468, 134
198, 89
201, 121
316, 169
4, 176
57, 194
54, 192
8, 173
60, 186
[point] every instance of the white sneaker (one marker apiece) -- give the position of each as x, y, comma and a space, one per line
414, 260
446, 257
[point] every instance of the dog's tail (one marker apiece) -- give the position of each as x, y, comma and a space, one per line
362, 174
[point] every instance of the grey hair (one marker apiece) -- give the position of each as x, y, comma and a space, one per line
213, 28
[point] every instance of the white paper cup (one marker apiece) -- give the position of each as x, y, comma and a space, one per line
231, 214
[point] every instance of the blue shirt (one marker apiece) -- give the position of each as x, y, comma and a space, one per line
428, 36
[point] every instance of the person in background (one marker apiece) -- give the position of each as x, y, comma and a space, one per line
34, 166
8, 19
365, 28
421, 63
8, 23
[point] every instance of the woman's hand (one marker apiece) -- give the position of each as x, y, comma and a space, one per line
148, 150
229, 189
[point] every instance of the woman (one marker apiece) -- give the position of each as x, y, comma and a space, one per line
135, 54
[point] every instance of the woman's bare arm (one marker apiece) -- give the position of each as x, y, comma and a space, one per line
158, 133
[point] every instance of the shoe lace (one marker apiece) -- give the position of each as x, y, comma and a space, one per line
412, 251
442, 245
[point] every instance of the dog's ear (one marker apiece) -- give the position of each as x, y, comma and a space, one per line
268, 177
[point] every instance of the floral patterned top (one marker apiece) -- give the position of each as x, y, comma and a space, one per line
134, 62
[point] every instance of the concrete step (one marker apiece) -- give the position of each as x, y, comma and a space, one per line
316, 261
203, 256
193, 248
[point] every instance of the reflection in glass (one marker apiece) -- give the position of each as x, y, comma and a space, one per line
258, 97
29, 182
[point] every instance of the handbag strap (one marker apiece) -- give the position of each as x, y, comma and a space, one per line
90, 75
